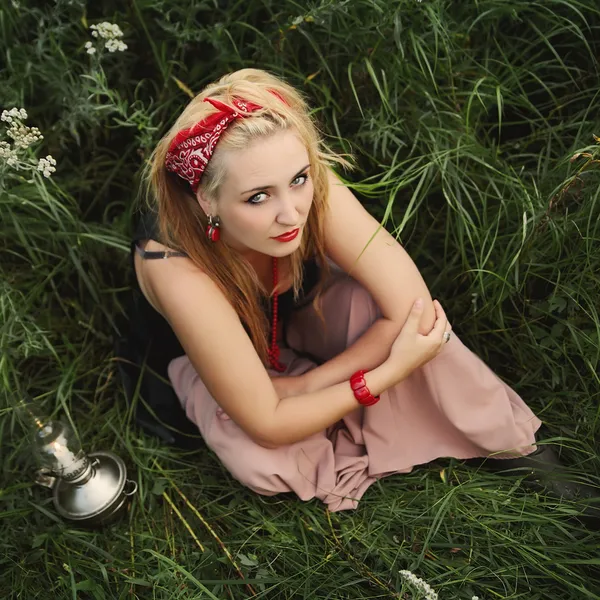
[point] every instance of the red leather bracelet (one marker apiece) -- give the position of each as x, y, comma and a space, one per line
360, 389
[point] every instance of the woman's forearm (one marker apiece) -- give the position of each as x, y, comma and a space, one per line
367, 352
299, 417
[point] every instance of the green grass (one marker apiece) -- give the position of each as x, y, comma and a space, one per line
464, 118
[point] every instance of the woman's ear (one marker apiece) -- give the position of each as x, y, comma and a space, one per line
205, 205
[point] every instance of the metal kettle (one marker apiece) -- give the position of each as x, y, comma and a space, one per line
88, 489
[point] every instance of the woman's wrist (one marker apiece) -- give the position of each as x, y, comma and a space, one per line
381, 378
378, 379
310, 382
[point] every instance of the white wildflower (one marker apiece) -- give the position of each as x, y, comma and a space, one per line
47, 166
422, 586
14, 113
8, 154
474, 298
113, 45
106, 30
5, 150
111, 33
23, 136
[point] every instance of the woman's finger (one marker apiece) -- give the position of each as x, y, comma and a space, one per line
441, 322
442, 311
414, 317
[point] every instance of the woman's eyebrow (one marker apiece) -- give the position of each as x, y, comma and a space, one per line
266, 187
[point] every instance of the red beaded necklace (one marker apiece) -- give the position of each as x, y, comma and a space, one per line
274, 348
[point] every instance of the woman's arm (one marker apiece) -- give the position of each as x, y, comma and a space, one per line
370, 350
298, 417
367, 352
357, 243
224, 358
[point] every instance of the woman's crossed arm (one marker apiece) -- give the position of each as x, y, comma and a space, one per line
225, 359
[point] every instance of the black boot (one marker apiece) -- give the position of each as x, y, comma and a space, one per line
543, 471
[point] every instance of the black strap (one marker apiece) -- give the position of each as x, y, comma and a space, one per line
150, 255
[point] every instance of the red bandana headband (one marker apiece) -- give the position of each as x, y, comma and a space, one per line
192, 148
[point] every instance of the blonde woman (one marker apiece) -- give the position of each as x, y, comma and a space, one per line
313, 358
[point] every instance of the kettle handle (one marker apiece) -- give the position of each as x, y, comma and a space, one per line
133, 487
43, 477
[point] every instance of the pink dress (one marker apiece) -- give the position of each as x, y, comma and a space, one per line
454, 406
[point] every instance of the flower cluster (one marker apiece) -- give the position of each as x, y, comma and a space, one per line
419, 585
14, 113
47, 166
8, 154
23, 137
110, 33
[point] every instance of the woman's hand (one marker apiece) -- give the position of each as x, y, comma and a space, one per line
412, 350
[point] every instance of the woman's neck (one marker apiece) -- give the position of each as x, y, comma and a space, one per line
263, 266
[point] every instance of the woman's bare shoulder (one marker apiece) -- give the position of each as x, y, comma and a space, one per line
215, 341
153, 274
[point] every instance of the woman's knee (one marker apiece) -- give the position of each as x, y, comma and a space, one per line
342, 314
362, 310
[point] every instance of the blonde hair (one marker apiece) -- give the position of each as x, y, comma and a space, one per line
182, 221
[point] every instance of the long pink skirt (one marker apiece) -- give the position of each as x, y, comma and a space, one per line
454, 406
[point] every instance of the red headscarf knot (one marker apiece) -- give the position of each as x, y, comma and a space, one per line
192, 148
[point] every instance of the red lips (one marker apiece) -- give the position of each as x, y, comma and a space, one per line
287, 237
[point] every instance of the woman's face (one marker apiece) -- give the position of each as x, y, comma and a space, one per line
267, 192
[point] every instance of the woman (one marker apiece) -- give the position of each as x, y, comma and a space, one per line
315, 359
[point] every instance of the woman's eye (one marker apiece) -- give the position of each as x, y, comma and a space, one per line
300, 180
256, 199
262, 196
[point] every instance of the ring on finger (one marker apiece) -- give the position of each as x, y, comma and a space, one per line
446, 337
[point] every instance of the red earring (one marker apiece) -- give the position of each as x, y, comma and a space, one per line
212, 229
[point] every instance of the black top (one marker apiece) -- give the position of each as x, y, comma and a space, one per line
157, 326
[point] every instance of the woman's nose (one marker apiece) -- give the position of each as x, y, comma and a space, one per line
288, 210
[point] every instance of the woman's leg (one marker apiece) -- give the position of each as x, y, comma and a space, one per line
311, 468
452, 406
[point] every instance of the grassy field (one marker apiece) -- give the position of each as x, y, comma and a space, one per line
472, 124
